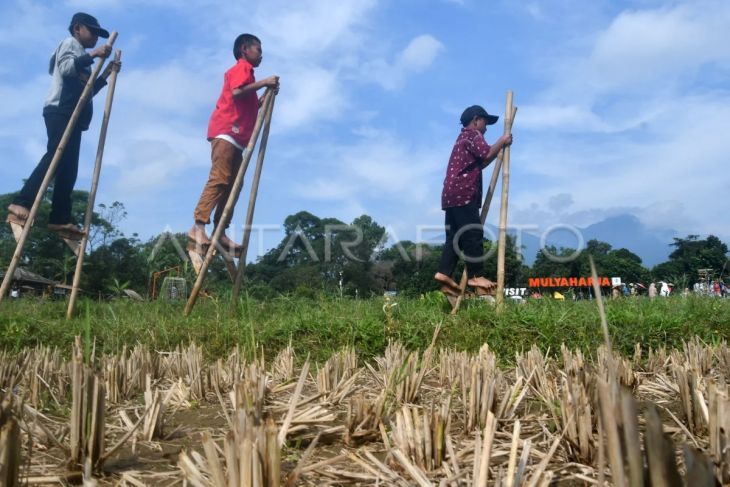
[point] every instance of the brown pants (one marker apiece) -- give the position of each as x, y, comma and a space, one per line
225, 162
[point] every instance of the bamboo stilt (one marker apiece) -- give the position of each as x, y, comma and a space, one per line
232, 198
94, 185
501, 246
252, 205
83, 99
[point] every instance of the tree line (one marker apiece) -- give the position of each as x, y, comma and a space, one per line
326, 255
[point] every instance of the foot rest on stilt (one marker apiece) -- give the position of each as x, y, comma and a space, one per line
16, 225
197, 252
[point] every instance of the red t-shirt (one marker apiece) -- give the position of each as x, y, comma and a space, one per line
235, 117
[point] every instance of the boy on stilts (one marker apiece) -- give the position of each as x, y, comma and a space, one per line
461, 200
70, 67
229, 131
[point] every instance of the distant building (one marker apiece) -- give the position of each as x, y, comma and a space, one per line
31, 283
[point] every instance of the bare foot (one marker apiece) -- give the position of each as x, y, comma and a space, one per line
67, 230
19, 211
197, 234
480, 282
445, 280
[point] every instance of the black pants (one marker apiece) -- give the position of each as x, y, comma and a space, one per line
469, 243
66, 170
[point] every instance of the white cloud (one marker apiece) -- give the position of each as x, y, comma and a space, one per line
419, 53
642, 50
562, 117
631, 121
24, 26
177, 88
669, 170
306, 29
660, 45
416, 57
560, 202
308, 94
374, 167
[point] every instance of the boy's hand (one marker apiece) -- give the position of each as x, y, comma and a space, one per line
271, 82
101, 51
113, 66
506, 140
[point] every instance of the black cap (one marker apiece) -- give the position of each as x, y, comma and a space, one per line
477, 111
90, 22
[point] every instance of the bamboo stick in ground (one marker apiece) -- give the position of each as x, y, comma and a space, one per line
252, 205
232, 198
631, 439
485, 209
9, 444
512, 465
83, 99
77, 395
610, 427
92, 192
415, 474
293, 404
659, 452
486, 452
503, 212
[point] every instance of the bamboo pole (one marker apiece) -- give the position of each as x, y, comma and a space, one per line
92, 191
10, 460
252, 205
485, 207
10, 271
503, 212
232, 198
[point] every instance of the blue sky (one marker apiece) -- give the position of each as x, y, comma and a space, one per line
624, 106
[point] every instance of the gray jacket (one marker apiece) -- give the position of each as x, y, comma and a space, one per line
70, 67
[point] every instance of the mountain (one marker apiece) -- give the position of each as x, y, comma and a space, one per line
621, 231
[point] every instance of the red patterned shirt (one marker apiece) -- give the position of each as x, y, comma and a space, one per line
463, 181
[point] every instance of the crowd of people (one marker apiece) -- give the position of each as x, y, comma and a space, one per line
716, 288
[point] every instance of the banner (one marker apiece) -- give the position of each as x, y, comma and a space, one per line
566, 282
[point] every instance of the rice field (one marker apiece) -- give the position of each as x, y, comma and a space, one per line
390, 403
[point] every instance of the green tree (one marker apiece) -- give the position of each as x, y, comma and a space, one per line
691, 254
551, 261
566, 262
319, 252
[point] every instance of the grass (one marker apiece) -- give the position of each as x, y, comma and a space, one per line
322, 325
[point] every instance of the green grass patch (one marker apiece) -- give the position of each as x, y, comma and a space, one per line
321, 325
